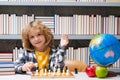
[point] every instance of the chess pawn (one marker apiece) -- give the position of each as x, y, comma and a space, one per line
58, 72
45, 72
41, 72
36, 73
76, 71
63, 72
36, 64
49, 72
67, 72
54, 71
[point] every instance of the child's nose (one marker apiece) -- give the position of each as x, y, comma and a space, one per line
36, 38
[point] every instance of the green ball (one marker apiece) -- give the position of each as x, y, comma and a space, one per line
101, 72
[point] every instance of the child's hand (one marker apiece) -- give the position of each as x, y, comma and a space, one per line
27, 66
64, 40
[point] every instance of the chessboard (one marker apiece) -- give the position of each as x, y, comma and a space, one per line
52, 74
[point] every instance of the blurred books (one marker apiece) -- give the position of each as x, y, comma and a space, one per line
7, 68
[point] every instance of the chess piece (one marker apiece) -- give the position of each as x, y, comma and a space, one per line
67, 72
36, 64
66, 68
54, 71
41, 72
36, 73
45, 71
76, 71
49, 72
58, 72
63, 72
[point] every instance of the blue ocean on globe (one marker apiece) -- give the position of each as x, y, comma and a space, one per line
104, 49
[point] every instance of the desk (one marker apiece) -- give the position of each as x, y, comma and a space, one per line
79, 76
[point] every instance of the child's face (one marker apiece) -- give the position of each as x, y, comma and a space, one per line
37, 39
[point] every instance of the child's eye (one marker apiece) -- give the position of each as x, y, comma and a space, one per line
39, 34
31, 37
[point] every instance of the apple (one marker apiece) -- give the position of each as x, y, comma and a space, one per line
90, 71
101, 72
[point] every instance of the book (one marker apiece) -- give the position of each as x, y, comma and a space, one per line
6, 55
7, 73
6, 64
7, 69
5, 59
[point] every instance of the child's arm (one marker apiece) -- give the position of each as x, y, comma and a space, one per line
19, 63
58, 57
23, 64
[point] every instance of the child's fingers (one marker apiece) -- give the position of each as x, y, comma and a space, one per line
30, 65
25, 68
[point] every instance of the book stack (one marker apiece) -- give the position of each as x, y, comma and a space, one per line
6, 63
6, 57
7, 68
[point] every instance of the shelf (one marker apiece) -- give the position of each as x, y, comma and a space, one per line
10, 37
76, 37
109, 4
56, 37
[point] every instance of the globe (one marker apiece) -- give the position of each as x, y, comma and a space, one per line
104, 49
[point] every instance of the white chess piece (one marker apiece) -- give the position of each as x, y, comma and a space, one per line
45, 72
58, 72
54, 71
67, 72
49, 72
63, 72
36, 73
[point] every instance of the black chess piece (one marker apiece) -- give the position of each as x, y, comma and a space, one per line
76, 71
66, 68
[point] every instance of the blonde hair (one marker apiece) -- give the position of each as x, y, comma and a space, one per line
44, 30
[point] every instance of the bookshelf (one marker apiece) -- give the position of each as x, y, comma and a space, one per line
10, 41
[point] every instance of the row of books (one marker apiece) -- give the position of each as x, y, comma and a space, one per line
63, 0
13, 24
76, 24
87, 24
81, 54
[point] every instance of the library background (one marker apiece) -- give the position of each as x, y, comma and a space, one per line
80, 19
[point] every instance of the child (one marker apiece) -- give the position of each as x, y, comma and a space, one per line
38, 43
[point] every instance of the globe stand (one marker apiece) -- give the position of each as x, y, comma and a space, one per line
111, 74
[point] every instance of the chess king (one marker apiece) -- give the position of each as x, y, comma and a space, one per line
38, 44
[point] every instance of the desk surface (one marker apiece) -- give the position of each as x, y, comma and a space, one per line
79, 76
